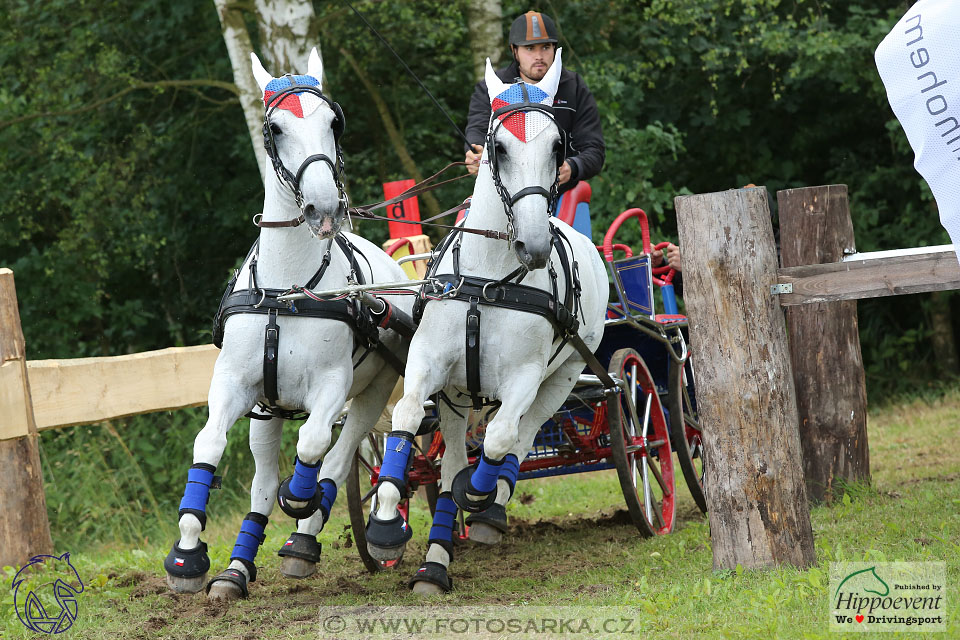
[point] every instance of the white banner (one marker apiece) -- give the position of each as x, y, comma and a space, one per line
919, 63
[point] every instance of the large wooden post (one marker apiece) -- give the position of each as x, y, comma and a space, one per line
756, 496
24, 529
815, 228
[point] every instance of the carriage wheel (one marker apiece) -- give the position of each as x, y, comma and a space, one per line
369, 455
685, 430
640, 444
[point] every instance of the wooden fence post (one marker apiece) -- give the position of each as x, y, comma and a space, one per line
24, 529
756, 496
815, 228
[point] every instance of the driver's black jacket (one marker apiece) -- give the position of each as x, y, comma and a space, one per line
576, 113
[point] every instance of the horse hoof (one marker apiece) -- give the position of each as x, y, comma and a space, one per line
297, 567
430, 579
386, 554
224, 591
186, 585
484, 534
426, 589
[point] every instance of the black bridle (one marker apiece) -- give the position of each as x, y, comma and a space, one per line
293, 180
508, 199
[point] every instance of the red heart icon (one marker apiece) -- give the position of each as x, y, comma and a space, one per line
859, 618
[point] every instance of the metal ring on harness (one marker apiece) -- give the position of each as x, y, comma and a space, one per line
263, 296
257, 217
484, 292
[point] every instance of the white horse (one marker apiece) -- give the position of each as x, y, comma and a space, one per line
517, 361
319, 362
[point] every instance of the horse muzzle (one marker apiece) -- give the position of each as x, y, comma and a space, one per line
530, 256
326, 222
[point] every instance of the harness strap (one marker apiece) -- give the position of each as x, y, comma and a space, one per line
271, 353
473, 352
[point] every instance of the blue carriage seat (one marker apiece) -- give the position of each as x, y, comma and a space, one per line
574, 208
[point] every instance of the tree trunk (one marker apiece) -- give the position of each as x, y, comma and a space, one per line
287, 33
815, 228
484, 22
941, 325
756, 496
24, 528
239, 46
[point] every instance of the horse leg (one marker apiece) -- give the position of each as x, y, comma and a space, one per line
187, 563
488, 526
432, 578
301, 551
231, 584
387, 531
300, 495
475, 488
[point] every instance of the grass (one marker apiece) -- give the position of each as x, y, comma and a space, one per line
570, 549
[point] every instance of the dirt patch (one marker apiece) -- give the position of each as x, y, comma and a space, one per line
346, 585
147, 585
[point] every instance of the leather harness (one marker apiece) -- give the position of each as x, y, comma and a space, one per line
477, 291
259, 300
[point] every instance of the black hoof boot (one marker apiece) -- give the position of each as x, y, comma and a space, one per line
285, 496
300, 554
487, 527
187, 570
431, 578
386, 539
461, 487
229, 584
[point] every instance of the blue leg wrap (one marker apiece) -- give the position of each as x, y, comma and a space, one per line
197, 491
328, 497
396, 458
484, 478
250, 538
304, 482
444, 519
510, 470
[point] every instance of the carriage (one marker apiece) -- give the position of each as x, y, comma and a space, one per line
635, 430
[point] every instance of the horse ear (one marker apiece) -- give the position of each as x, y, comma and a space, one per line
261, 75
315, 66
551, 79
495, 86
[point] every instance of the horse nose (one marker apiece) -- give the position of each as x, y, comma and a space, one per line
532, 260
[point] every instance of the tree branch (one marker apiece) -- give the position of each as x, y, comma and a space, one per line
396, 139
186, 84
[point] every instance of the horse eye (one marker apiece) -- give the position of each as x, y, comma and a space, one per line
500, 149
275, 129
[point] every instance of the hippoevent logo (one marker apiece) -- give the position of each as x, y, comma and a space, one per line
45, 594
887, 596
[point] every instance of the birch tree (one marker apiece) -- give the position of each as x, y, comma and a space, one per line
484, 21
286, 32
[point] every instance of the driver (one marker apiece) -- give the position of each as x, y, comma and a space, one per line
533, 40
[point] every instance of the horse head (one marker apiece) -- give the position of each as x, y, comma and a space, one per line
301, 134
524, 150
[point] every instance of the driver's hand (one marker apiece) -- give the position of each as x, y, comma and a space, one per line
473, 159
673, 257
564, 172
